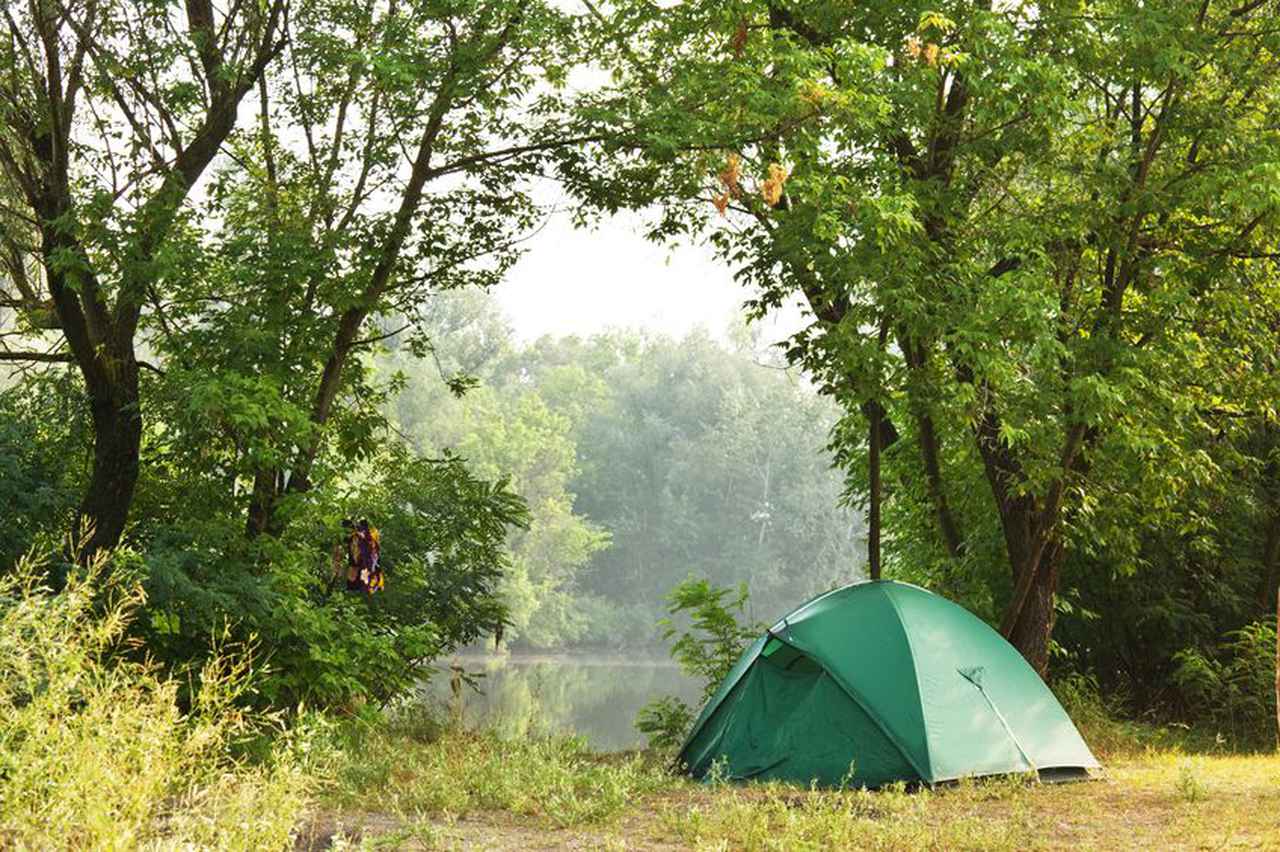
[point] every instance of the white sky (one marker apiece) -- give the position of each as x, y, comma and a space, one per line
581, 282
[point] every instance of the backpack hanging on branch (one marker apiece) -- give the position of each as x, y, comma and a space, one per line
369, 543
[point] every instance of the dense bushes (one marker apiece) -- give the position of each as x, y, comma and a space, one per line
39, 477
96, 751
1234, 687
443, 531
207, 582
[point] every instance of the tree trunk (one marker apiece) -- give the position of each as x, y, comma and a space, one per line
262, 504
117, 442
1033, 626
873, 512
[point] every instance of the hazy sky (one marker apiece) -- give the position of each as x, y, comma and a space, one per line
583, 281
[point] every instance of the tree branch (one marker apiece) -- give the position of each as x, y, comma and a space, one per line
40, 357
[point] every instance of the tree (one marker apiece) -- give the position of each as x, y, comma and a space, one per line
512, 431
1061, 216
111, 111
412, 133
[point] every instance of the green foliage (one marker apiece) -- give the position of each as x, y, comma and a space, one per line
1054, 217
705, 648
443, 531
1234, 688
516, 434
665, 721
715, 636
42, 447
1064, 218
96, 750
682, 453
701, 457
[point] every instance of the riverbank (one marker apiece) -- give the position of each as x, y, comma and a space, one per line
415, 786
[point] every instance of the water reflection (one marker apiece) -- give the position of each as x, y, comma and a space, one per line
595, 698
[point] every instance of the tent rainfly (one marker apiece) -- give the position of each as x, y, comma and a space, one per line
879, 682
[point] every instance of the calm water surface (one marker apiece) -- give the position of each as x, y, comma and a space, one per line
593, 697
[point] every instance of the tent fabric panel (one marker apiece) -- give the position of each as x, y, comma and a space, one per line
972, 684
726, 686
856, 634
797, 724
705, 742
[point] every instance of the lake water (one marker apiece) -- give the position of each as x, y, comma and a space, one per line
593, 697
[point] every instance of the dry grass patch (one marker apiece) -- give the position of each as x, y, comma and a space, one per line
1160, 800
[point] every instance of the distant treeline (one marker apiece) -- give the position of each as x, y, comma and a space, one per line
643, 459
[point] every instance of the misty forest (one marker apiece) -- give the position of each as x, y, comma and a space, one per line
293, 511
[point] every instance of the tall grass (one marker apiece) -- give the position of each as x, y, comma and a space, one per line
95, 751
1111, 736
410, 765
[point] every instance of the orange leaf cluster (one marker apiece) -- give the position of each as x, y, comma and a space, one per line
813, 93
926, 52
771, 189
731, 174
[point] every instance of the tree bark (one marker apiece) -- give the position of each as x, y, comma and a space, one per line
1033, 625
1269, 582
873, 511
262, 504
117, 431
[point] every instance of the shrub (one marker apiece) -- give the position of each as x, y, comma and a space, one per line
42, 445
665, 721
443, 533
706, 649
1235, 686
94, 749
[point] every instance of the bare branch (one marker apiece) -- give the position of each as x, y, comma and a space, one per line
38, 357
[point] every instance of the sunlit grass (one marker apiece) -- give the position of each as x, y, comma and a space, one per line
481, 791
1153, 800
410, 765
94, 750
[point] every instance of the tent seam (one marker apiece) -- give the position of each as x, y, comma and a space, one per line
856, 697
1013, 738
915, 675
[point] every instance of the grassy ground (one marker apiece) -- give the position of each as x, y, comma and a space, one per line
95, 753
413, 785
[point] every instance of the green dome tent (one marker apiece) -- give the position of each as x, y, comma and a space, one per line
878, 682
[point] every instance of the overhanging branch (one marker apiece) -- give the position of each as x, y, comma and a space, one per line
38, 357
